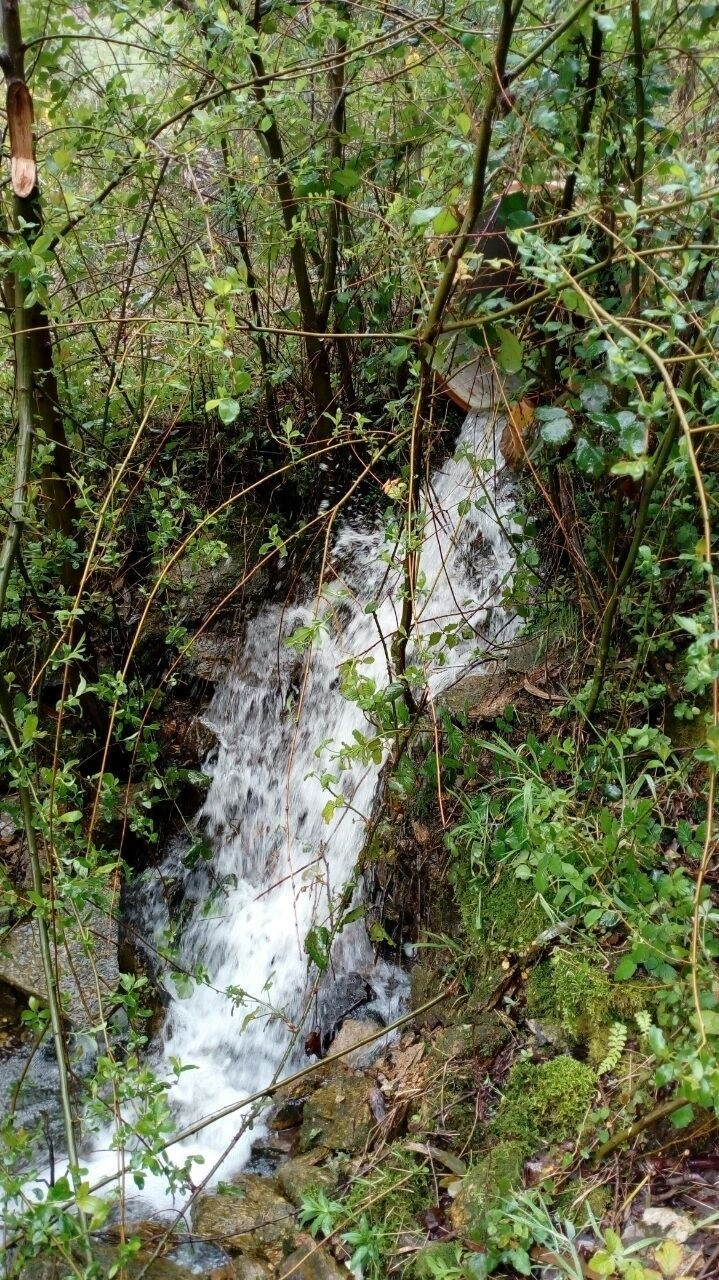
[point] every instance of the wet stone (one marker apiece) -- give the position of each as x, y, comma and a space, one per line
21, 967
352, 1032
304, 1173
338, 1116
311, 1262
250, 1218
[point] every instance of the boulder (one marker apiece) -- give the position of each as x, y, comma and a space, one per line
80, 973
250, 1217
338, 1116
305, 1172
105, 1255
311, 1262
352, 1032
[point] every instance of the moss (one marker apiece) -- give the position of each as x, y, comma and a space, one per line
506, 916
395, 1193
486, 1184
546, 1102
573, 991
576, 1203
431, 1260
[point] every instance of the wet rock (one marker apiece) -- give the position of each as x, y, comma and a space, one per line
21, 967
202, 1258
338, 1116
481, 696
289, 1107
352, 1032
105, 1256
311, 1262
251, 1218
249, 1269
425, 983
485, 1184
300, 1175
213, 655
338, 1000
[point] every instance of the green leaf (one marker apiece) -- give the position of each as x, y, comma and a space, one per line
344, 181
29, 728
683, 1117
510, 354
422, 217
73, 815
445, 222
317, 946
710, 1020
588, 458
463, 123
625, 969
557, 430
227, 410
634, 467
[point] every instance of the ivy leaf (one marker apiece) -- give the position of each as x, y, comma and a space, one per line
510, 355
588, 458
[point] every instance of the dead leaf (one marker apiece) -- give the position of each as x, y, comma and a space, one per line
519, 418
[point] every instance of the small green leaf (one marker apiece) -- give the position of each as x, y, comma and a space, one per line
422, 217
634, 467
625, 969
29, 728
510, 355
683, 1117
445, 222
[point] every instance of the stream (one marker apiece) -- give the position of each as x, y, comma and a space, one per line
281, 856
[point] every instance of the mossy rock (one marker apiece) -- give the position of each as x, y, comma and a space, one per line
311, 1262
571, 991
251, 1217
575, 993
546, 1102
425, 983
482, 1038
576, 1203
306, 1173
486, 1184
338, 1116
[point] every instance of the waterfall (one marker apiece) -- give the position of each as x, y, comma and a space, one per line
280, 856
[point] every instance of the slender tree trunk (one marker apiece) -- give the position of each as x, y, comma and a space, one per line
33, 346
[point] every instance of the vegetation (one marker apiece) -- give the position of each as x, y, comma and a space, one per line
240, 252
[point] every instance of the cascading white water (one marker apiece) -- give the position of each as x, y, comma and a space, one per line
279, 718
